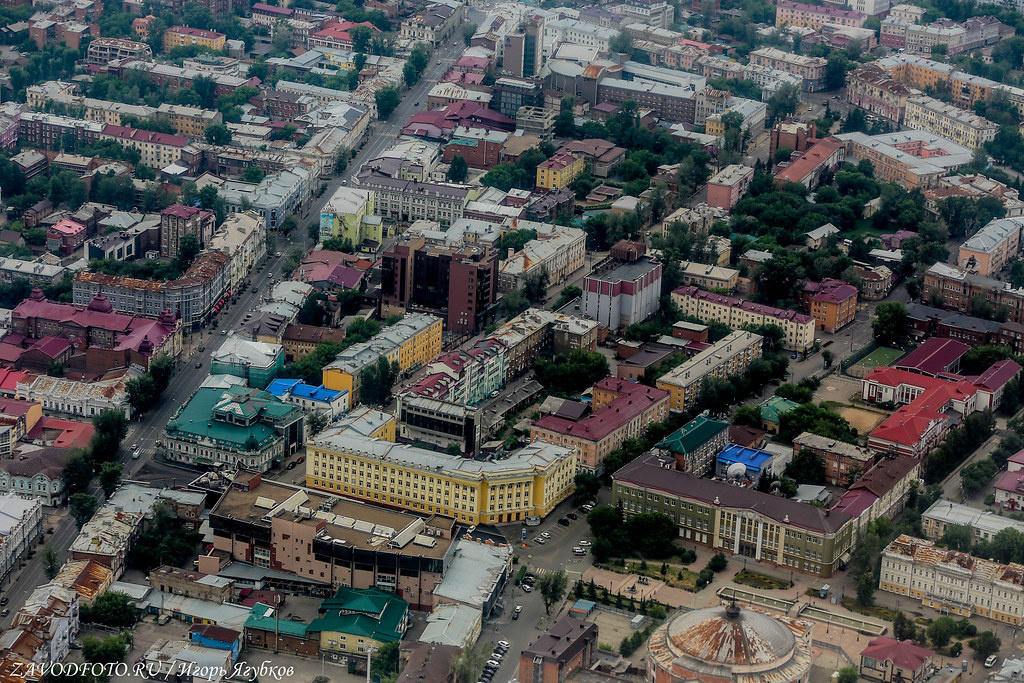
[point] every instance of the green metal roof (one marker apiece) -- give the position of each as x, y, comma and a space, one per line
258, 619
369, 613
196, 418
775, 407
693, 435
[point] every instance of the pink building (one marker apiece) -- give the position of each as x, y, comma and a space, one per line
65, 236
815, 16
729, 185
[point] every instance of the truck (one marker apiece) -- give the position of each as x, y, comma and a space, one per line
533, 521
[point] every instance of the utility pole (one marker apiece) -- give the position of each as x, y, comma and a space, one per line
369, 655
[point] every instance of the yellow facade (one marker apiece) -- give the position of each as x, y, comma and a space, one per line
528, 483
552, 174
411, 347
176, 38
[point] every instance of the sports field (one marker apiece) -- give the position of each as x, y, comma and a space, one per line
880, 356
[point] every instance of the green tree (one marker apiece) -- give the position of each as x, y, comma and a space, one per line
941, 630
958, 537
621, 42
587, 486
218, 134
110, 477
163, 541
652, 534
160, 367
51, 564
252, 174
806, 468
468, 31
848, 674
469, 663
385, 661
387, 99
317, 421
985, 645
552, 587
78, 470
458, 169
866, 589
112, 608
142, 393
835, 71
82, 506
782, 104
903, 627
891, 325
513, 303
109, 650
976, 475
575, 372
111, 428
376, 381
361, 38
535, 285
718, 562
188, 250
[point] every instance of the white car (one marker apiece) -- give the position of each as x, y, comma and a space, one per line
991, 661
578, 551
504, 643
541, 540
583, 544
546, 534
526, 588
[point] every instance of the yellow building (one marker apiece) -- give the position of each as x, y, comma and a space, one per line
530, 482
182, 36
740, 314
559, 171
412, 342
191, 122
365, 421
349, 215
732, 355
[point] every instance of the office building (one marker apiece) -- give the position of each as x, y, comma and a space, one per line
349, 215
558, 251
696, 444
812, 166
729, 185
729, 356
177, 220
236, 427
811, 69
184, 36
738, 520
871, 88
953, 582
458, 283
832, 303
536, 332
622, 294
529, 482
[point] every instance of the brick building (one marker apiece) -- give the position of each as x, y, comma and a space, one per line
177, 221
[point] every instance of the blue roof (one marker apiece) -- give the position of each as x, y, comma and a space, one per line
295, 387
319, 393
753, 458
280, 387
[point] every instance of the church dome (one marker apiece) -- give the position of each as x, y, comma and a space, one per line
37, 294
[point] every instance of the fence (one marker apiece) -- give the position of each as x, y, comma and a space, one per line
849, 364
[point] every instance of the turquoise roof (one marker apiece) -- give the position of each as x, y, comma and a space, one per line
369, 613
693, 435
775, 407
258, 619
196, 418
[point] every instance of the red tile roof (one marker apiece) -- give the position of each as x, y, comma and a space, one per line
815, 156
139, 135
633, 400
904, 654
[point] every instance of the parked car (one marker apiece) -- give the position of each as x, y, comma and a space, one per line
516, 612
504, 643
291, 465
526, 588
583, 543
578, 551
540, 539
564, 522
199, 364
989, 663
573, 516
546, 534
300, 459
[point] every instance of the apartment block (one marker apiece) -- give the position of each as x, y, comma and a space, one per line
815, 16
183, 36
433, 24
824, 157
465, 377
413, 342
569, 645
965, 89
621, 410
740, 521
536, 332
962, 127
411, 200
832, 303
729, 185
529, 482
191, 122
156, 149
952, 582
459, 283
177, 220
987, 251
729, 356
811, 69
871, 88
914, 158
740, 313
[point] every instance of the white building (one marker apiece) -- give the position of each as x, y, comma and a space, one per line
558, 250
21, 525
243, 237
50, 613
624, 295
82, 399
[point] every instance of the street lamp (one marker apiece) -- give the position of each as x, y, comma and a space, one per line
369, 654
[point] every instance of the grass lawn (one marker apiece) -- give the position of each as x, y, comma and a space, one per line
755, 580
873, 611
864, 229
880, 356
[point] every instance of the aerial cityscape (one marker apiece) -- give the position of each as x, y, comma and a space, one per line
511, 341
